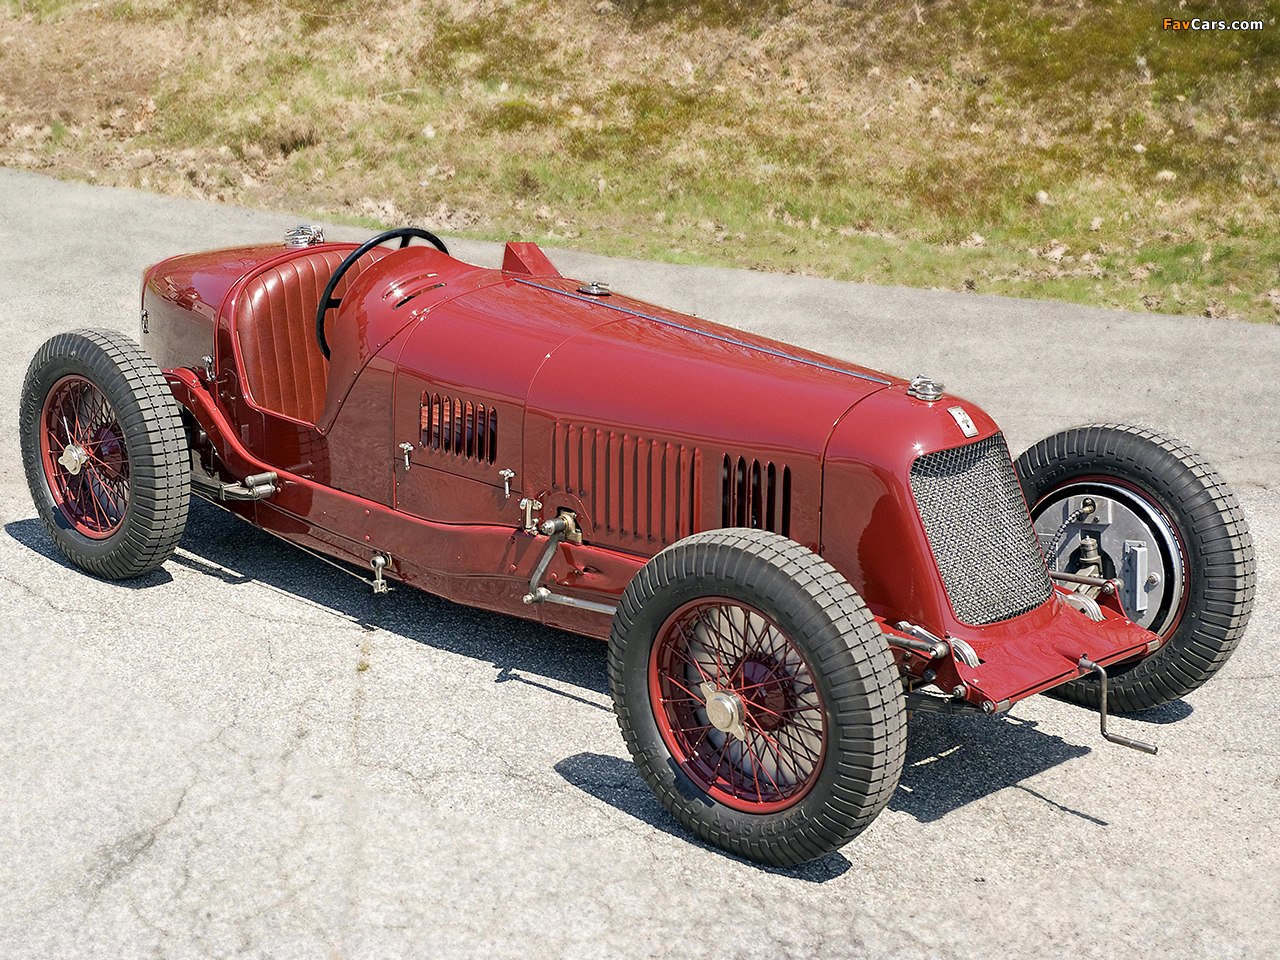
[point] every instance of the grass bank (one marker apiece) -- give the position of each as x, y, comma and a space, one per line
1069, 151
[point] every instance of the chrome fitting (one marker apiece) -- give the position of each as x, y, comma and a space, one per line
925, 388
529, 505
378, 563
304, 235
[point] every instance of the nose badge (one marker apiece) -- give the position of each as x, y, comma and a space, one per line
963, 421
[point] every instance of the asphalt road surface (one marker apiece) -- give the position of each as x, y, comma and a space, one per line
196, 764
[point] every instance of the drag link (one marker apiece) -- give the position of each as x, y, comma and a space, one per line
1087, 666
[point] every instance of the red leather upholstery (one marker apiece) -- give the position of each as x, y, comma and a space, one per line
275, 326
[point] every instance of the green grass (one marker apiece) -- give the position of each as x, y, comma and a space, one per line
858, 141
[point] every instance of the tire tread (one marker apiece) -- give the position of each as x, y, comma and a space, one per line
159, 467
1223, 560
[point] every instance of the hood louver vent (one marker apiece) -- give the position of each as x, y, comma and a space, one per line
755, 494
636, 490
459, 428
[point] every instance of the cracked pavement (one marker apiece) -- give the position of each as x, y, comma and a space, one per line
197, 765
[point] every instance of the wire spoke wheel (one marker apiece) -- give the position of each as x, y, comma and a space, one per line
105, 453
757, 695
85, 460
737, 706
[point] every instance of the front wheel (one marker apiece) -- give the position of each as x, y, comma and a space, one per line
105, 453
757, 696
1122, 502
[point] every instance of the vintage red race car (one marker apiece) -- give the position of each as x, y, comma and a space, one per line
787, 553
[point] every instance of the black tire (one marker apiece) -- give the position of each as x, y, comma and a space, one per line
156, 473
1215, 550
854, 674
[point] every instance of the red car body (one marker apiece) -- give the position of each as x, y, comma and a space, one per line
648, 424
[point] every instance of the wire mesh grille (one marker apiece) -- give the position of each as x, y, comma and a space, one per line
980, 532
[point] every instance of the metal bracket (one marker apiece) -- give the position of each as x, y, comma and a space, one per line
558, 530
1086, 665
1135, 572
924, 642
208, 368
1106, 586
1086, 605
528, 505
507, 476
406, 449
257, 487
378, 563
933, 646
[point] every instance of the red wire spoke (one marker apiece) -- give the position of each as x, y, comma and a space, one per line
715, 650
95, 498
783, 756
686, 689
779, 758
117, 502
779, 755
692, 660
758, 764
798, 742
703, 736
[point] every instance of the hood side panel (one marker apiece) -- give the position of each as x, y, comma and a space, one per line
631, 421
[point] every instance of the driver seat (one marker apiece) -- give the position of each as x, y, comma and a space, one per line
275, 327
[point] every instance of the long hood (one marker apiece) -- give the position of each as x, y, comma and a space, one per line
656, 424
662, 373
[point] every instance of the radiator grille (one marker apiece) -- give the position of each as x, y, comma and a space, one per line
981, 535
755, 494
636, 489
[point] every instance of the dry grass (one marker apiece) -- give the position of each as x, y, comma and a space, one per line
987, 146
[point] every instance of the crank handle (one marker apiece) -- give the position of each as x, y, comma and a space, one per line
1088, 666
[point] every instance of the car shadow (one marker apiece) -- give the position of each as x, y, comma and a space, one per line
31, 534
1165, 713
951, 760
617, 783
954, 760
220, 544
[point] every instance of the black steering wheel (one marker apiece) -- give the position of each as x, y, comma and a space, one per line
328, 301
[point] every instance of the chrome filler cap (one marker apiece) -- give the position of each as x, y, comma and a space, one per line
304, 235
925, 388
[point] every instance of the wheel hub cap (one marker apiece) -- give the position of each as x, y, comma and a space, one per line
73, 458
724, 710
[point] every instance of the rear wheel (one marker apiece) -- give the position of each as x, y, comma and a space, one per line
105, 454
757, 695
1123, 502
